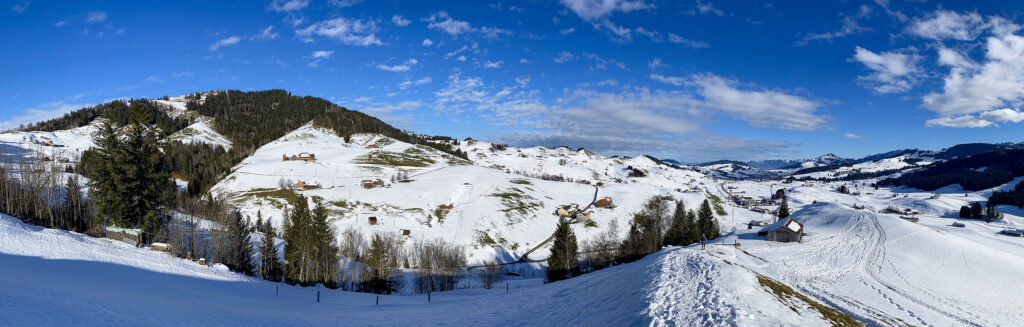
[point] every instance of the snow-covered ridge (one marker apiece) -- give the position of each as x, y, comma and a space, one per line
202, 132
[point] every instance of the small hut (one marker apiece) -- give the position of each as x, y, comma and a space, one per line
306, 186
372, 220
372, 146
406, 232
132, 236
784, 230
604, 202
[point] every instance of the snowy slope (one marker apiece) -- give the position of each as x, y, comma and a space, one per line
59, 144
202, 132
57, 278
494, 213
884, 269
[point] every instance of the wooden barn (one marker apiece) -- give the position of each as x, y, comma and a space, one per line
305, 156
306, 186
372, 220
785, 230
372, 183
372, 146
604, 202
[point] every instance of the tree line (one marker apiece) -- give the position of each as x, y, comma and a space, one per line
661, 221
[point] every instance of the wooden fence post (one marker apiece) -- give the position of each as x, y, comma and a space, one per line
378, 300
428, 297
317, 296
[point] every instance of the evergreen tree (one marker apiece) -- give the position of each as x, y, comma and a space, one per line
74, 207
129, 178
296, 237
692, 230
239, 248
380, 261
965, 212
783, 209
325, 252
678, 230
270, 266
706, 221
563, 262
976, 210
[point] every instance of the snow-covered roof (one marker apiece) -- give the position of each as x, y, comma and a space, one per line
790, 223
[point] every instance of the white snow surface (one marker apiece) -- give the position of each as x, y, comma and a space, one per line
202, 132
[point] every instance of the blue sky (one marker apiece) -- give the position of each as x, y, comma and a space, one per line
688, 80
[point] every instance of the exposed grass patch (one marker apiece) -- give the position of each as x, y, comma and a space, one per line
485, 239
517, 204
442, 211
285, 195
394, 159
520, 181
786, 294
716, 202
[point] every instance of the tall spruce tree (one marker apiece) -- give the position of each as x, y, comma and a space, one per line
678, 230
74, 207
129, 179
296, 237
783, 209
325, 252
239, 248
706, 221
563, 262
270, 265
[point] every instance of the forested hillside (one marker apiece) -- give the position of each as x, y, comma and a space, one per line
115, 111
976, 172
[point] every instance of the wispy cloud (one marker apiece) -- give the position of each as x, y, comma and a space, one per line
224, 42
403, 67
398, 20
95, 16
348, 31
288, 5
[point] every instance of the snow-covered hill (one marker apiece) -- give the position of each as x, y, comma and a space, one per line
492, 207
201, 132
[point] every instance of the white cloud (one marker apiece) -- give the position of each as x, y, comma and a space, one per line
344, 3
362, 99
851, 136
944, 24
95, 16
265, 34
427, 42
181, 74
969, 87
322, 54
461, 58
492, 64
20, 7
595, 9
673, 38
42, 112
441, 21
403, 67
224, 42
674, 80
850, 26
767, 109
288, 5
153, 79
564, 56
567, 31
60, 23
399, 21
707, 7
524, 61
348, 31
408, 83
984, 119
892, 71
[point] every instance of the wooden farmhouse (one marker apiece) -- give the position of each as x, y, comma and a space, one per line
299, 157
784, 230
306, 186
